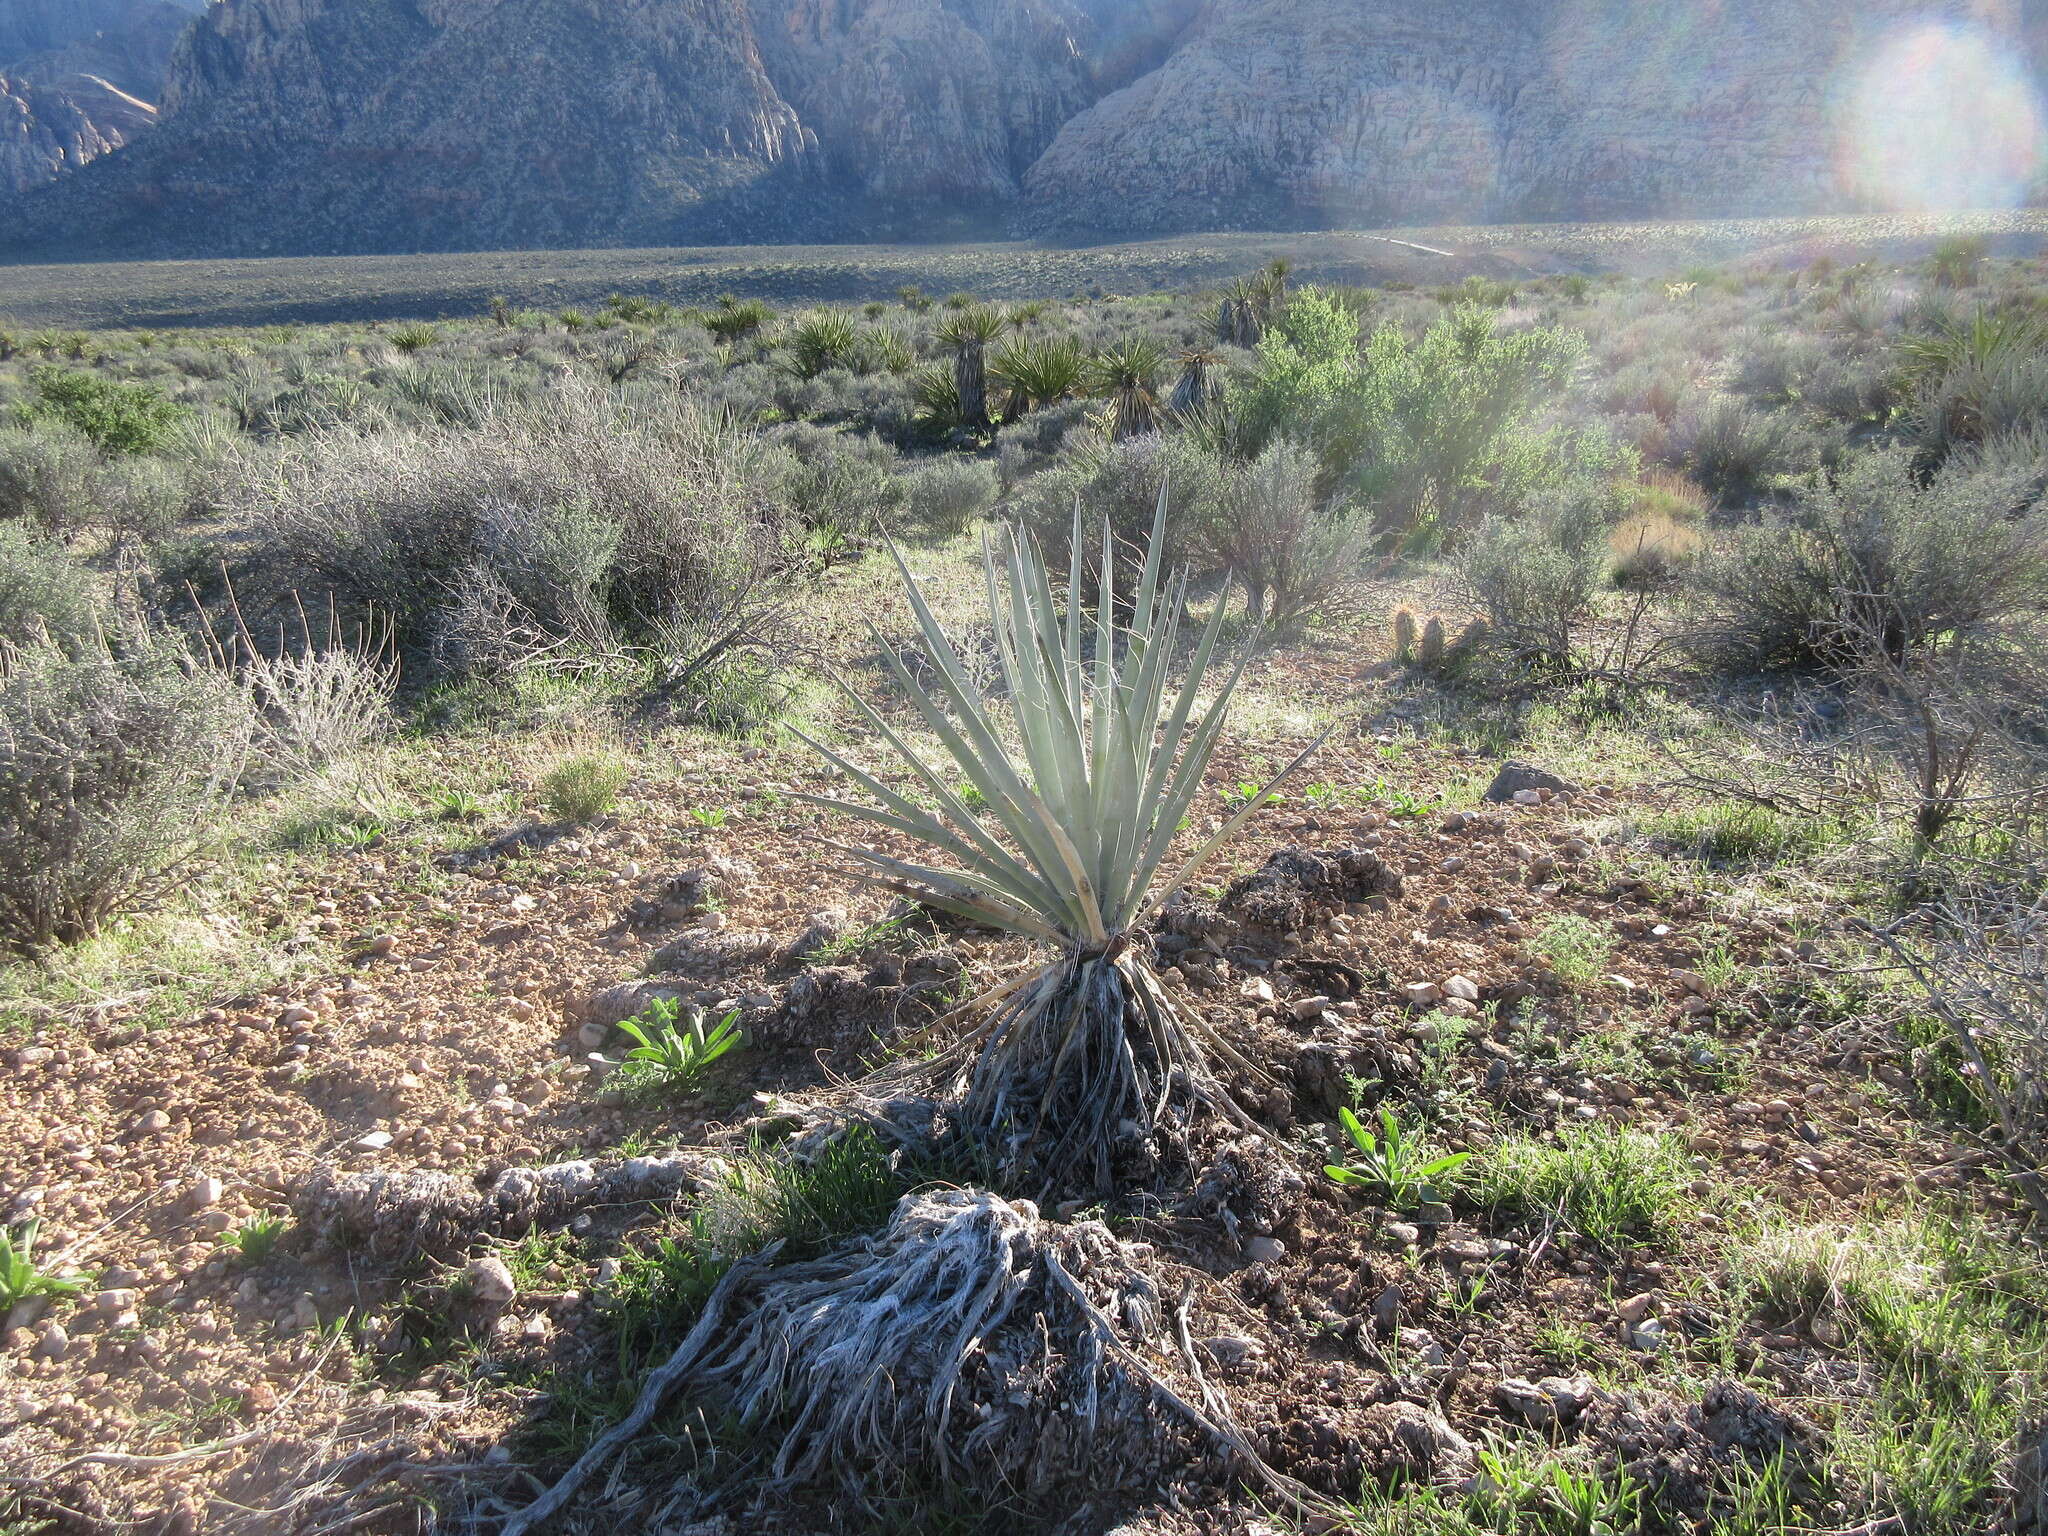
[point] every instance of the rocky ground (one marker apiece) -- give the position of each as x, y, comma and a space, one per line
344, 1241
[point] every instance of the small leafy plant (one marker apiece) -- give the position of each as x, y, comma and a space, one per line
458, 804
671, 1058
710, 817
1391, 1162
256, 1239
19, 1277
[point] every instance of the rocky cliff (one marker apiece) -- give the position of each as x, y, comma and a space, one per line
79, 79
338, 125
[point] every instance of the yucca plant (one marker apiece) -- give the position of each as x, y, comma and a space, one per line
1200, 384
1127, 375
822, 341
19, 1277
1084, 782
1037, 373
968, 332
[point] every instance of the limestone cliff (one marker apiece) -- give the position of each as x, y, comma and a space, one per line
340, 125
79, 79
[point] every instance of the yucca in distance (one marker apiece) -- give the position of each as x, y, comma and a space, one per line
1069, 847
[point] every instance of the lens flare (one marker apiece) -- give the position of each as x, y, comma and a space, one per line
1941, 116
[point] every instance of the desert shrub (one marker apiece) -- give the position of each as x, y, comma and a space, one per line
1652, 549
46, 473
844, 479
116, 417
1873, 558
1736, 451
43, 591
1536, 577
1119, 483
114, 771
1438, 432
944, 498
1976, 401
571, 528
583, 786
821, 341
316, 705
1297, 552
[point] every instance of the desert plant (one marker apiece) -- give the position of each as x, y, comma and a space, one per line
20, 1280
1401, 635
735, 318
1956, 258
1611, 1185
943, 499
1297, 553
118, 418
414, 338
968, 331
583, 786
43, 591
113, 773
1389, 1161
1200, 384
1874, 558
675, 1059
1737, 451
1069, 851
1037, 372
1536, 578
1126, 374
822, 341
257, 1238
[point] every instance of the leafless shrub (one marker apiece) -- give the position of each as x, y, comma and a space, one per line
1982, 967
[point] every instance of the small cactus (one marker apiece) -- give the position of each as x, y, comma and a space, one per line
1431, 653
1404, 633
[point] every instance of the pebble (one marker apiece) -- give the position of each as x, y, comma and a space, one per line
1265, 1250
488, 1281
375, 1141
1463, 987
153, 1122
1310, 1007
1422, 994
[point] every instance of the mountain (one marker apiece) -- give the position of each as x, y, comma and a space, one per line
360, 125
79, 79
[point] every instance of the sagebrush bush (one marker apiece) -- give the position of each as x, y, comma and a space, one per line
1536, 577
1872, 562
1736, 451
1119, 483
944, 498
576, 528
44, 591
1298, 553
114, 772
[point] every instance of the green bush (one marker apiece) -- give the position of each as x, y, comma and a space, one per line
117, 418
584, 785
1298, 553
1437, 432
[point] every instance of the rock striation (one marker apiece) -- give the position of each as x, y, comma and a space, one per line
355, 125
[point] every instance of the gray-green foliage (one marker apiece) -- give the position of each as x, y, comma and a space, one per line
43, 590
945, 497
113, 773
1079, 795
1537, 576
578, 528
1119, 485
1872, 561
1297, 552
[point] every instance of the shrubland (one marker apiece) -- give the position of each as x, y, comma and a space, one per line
1139, 650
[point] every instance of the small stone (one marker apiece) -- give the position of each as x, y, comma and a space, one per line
488, 1281
205, 1191
384, 944
375, 1141
1386, 1310
52, 1343
1257, 990
153, 1122
1636, 1308
1402, 1234
1265, 1250
1462, 987
1648, 1336
1422, 994
1229, 1349
298, 1013
1310, 1007
305, 1313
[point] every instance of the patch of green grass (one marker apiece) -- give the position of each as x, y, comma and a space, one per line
1577, 948
1951, 1325
1613, 1186
583, 786
1736, 834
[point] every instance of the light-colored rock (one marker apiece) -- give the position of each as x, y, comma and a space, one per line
1461, 987
489, 1282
